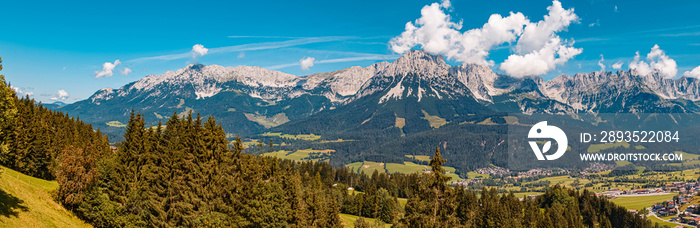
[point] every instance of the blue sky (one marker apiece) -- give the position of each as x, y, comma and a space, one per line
48, 46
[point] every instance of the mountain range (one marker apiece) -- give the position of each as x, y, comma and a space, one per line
417, 97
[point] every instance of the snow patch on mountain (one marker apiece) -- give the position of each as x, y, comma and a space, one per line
395, 92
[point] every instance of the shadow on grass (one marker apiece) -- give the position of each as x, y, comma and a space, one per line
10, 205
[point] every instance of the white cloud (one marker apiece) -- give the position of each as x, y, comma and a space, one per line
658, 62
537, 35
616, 11
199, 50
617, 65
241, 55
600, 63
541, 61
539, 49
435, 32
248, 47
364, 57
306, 63
107, 69
695, 73
60, 95
21, 93
596, 23
125, 71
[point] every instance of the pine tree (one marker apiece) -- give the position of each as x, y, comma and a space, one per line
8, 111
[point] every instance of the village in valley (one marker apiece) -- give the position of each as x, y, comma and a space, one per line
670, 198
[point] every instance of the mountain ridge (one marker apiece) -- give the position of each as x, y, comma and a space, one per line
249, 96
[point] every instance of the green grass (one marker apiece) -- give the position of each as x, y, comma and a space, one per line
656, 220
406, 167
355, 166
524, 194
26, 202
622, 163
595, 148
308, 137
349, 220
435, 121
450, 172
115, 124
688, 155
639, 202
419, 157
300, 155
400, 122
694, 162
473, 175
369, 167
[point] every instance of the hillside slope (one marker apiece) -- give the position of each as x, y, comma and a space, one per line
26, 202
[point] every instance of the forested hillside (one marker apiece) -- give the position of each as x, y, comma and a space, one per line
184, 173
34, 139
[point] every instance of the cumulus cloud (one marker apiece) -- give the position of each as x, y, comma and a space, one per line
537, 43
435, 32
539, 49
594, 24
107, 69
125, 71
541, 61
600, 63
617, 65
659, 63
19, 92
199, 50
306, 63
695, 73
61, 95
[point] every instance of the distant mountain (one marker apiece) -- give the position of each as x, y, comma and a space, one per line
417, 92
54, 105
403, 107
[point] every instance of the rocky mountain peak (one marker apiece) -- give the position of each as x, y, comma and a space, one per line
418, 62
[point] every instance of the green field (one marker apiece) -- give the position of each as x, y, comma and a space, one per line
355, 166
309, 137
622, 163
115, 124
639, 202
670, 224
595, 148
301, 155
406, 167
473, 175
26, 202
419, 157
369, 167
435, 121
524, 194
688, 155
349, 220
